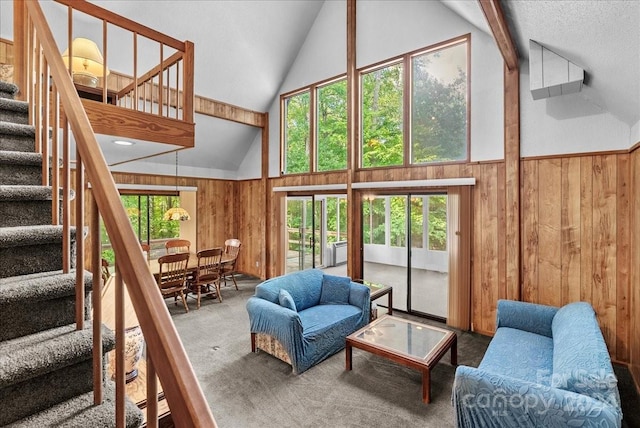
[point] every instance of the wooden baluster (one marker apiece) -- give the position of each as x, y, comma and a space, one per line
177, 89
104, 64
38, 96
168, 91
135, 71
160, 82
152, 394
119, 352
45, 128
96, 302
79, 199
66, 199
55, 167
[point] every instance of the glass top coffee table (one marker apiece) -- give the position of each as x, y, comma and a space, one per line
410, 343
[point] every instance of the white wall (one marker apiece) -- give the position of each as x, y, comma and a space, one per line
573, 123
634, 138
386, 29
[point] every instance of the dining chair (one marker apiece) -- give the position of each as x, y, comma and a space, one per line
146, 249
177, 246
172, 276
207, 276
105, 270
231, 249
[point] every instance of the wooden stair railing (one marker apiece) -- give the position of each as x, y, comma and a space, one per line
38, 62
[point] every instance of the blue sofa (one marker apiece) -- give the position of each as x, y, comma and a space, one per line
544, 367
304, 317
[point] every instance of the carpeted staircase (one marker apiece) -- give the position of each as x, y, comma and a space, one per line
45, 363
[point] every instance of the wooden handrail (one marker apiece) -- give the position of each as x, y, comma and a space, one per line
182, 390
152, 73
122, 22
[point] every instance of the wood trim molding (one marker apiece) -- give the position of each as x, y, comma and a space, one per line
500, 29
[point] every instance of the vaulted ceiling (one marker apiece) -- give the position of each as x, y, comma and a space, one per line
244, 50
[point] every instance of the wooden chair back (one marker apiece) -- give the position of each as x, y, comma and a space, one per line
105, 270
173, 273
232, 247
146, 248
209, 265
177, 246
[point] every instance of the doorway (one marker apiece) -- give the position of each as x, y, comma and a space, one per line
304, 233
405, 245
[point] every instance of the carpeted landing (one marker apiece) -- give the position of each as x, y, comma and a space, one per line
257, 390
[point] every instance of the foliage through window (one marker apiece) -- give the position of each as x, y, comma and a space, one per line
331, 126
296, 133
439, 105
382, 115
434, 112
146, 217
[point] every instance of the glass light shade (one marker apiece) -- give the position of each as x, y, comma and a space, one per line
86, 63
176, 213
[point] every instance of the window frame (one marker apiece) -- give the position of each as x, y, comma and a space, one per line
406, 60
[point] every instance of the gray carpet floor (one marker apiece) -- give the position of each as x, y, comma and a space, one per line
247, 389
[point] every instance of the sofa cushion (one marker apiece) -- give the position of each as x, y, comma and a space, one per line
581, 361
285, 300
304, 286
335, 290
521, 355
333, 320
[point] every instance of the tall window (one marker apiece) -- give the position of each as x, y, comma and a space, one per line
146, 217
439, 105
413, 111
326, 103
297, 134
331, 126
336, 219
382, 116
437, 108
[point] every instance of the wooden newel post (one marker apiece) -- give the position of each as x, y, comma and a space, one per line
19, 48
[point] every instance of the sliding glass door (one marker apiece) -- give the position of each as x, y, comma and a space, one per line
405, 246
304, 233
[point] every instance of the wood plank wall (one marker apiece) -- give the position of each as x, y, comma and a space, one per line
576, 219
635, 268
220, 215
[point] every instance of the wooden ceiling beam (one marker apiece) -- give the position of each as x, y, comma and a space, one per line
500, 29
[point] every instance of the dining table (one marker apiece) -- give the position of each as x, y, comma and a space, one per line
192, 264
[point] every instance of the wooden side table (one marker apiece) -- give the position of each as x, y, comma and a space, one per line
95, 94
377, 291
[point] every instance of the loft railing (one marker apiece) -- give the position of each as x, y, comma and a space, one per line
48, 87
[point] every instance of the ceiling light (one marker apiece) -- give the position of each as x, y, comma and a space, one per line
123, 143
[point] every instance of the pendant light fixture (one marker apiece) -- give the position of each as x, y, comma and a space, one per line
177, 213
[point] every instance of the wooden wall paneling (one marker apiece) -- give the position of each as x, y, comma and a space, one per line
634, 344
586, 228
530, 231
489, 236
623, 258
604, 293
549, 234
571, 240
502, 292
476, 252
251, 217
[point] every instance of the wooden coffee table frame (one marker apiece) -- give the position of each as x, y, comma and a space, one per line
424, 365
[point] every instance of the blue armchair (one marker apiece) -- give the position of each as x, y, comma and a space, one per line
304, 317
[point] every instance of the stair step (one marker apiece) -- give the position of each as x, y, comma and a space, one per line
20, 168
14, 111
17, 137
31, 249
31, 365
80, 412
8, 90
37, 302
25, 205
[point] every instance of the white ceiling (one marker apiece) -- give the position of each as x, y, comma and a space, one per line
244, 50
